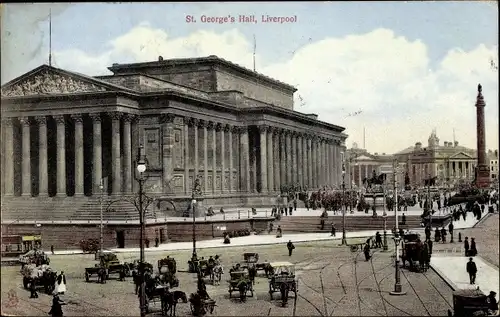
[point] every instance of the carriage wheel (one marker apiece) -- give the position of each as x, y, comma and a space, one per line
354, 248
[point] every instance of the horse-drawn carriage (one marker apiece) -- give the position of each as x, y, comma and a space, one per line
413, 252
282, 280
252, 260
201, 305
167, 267
240, 281
43, 277
37, 257
469, 302
108, 264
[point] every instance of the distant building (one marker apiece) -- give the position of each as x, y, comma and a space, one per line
492, 158
450, 163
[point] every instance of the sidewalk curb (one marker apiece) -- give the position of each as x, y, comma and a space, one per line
448, 282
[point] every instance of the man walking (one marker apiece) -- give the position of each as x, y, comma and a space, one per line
466, 246
472, 270
333, 229
290, 247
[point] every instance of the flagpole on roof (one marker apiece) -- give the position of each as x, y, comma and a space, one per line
254, 49
50, 37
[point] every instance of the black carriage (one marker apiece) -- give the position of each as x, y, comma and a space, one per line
167, 268
240, 282
156, 295
469, 302
412, 251
43, 277
200, 306
108, 264
282, 273
252, 260
205, 268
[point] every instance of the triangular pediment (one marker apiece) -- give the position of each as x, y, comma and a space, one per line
461, 155
47, 80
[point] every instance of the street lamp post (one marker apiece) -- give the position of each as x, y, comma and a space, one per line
193, 267
101, 238
141, 178
344, 240
397, 238
384, 215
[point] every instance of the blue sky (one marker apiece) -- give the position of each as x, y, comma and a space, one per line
443, 42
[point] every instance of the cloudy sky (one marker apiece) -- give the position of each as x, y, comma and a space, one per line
395, 69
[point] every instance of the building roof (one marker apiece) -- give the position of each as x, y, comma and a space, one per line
212, 59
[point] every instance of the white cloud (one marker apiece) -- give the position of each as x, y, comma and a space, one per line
386, 76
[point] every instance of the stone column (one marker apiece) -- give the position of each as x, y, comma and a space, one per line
97, 153
336, 164
196, 124
127, 154
293, 156
263, 158
244, 159
314, 157
300, 162
9, 157
115, 152
270, 160
222, 129
167, 126
204, 125
289, 162
230, 130
214, 157
26, 159
304, 159
79, 174
276, 159
43, 171
282, 143
186, 155
366, 172
309, 163
61, 155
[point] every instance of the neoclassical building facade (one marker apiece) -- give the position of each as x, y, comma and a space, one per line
64, 134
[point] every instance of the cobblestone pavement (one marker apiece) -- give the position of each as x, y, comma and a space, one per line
332, 281
487, 236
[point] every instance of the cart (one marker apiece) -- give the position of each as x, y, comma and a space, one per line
282, 272
200, 306
238, 277
469, 302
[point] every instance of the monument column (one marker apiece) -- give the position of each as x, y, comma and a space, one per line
43, 172
229, 130
167, 126
186, 155
263, 158
213, 127
127, 153
9, 156
276, 159
79, 174
97, 153
483, 172
222, 128
244, 159
61, 155
282, 144
26, 160
270, 160
289, 162
115, 152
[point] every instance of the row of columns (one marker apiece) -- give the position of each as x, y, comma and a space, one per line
119, 184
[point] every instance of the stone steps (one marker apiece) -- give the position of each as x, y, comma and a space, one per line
40, 208
119, 210
304, 224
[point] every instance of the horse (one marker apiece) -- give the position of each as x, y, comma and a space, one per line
169, 301
252, 273
101, 276
284, 289
217, 273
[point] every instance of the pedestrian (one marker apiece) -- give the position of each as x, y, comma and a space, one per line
492, 304
290, 247
473, 249
52, 249
294, 205
472, 270
378, 240
322, 223
279, 233
466, 246
429, 242
60, 287
290, 210
33, 291
333, 229
56, 309
403, 218
427, 232
366, 251
147, 243
437, 235
157, 242
271, 225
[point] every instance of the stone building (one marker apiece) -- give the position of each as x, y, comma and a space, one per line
492, 157
449, 162
237, 130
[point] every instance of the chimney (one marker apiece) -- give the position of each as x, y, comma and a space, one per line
456, 143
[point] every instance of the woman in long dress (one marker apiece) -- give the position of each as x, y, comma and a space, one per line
60, 287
